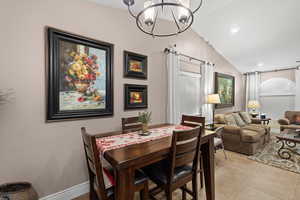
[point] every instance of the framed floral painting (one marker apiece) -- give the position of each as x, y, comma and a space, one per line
135, 96
135, 65
80, 76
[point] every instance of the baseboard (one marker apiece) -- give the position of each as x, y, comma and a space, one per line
69, 193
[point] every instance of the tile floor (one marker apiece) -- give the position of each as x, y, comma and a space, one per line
239, 178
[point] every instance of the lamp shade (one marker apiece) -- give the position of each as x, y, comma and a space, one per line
253, 104
213, 99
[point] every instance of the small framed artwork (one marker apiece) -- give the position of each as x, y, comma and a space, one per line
80, 76
135, 96
225, 87
135, 65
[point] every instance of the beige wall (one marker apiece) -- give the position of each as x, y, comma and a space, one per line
288, 74
50, 155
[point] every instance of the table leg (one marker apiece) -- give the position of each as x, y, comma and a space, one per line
208, 155
125, 184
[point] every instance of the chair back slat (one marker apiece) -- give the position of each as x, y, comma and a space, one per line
192, 121
185, 158
131, 124
186, 147
93, 162
183, 135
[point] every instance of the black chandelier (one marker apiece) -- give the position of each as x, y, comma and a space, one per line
152, 18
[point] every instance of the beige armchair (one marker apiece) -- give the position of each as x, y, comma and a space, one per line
288, 122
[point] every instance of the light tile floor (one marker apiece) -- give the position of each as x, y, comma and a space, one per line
239, 178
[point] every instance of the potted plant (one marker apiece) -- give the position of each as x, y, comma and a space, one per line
145, 119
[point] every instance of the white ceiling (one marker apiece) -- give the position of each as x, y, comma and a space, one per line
269, 30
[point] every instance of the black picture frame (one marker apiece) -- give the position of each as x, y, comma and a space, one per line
143, 92
142, 59
218, 90
54, 74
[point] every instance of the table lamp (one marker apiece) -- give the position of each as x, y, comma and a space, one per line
253, 105
213, 99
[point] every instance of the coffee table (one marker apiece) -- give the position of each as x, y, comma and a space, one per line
289, 143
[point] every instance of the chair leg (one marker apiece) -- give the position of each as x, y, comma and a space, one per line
144, 193
184, 193
168, 194
93, 195
225, 153
195, 187
201, 173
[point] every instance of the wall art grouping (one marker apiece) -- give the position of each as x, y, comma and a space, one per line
80, 76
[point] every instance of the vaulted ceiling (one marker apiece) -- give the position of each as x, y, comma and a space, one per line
251, 34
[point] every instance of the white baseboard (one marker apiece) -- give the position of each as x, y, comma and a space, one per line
69, 193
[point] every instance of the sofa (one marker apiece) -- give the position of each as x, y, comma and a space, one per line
289, 121
242, 133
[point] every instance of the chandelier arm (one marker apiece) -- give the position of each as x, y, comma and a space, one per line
200, 5
178, 27
130, 12
154, 23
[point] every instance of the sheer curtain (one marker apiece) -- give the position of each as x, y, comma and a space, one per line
297, 97
252, 87
173, 113
207, 85
184, 83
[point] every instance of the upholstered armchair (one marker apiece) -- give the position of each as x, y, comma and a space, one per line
289, 120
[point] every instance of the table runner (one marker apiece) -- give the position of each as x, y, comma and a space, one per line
123, 140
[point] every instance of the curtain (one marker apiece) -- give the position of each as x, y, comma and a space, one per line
207, 85
173, 113
252, 87
297, 97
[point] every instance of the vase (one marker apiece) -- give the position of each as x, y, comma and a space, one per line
18, 191
81, 86
145, 128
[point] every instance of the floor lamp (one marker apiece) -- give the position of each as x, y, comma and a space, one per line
213, 99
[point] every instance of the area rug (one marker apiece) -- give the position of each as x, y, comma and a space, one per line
268, 155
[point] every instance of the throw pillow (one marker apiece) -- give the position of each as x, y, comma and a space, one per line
246, 117
297, 119
238, 120
219, 119
229, 119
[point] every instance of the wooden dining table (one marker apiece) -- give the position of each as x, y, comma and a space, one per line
126, 160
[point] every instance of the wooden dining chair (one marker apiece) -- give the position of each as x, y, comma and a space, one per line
131, 124
193, 121
98, 189
176, 171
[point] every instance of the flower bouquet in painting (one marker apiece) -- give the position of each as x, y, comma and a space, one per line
82, 79
81, 75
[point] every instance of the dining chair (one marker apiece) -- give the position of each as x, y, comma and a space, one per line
131, 124
176, 171
218, 140
193, 121
99, 175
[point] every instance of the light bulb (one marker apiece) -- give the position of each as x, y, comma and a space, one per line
183, 13
149, 13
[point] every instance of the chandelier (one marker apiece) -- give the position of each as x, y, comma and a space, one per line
152, 18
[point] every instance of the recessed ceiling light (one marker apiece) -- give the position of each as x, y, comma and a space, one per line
234, 29
260, 64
